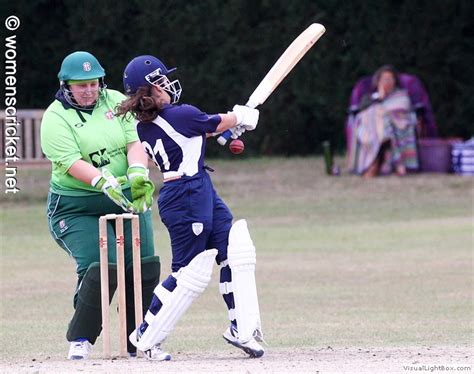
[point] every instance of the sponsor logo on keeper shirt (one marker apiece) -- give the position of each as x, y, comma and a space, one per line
99, 158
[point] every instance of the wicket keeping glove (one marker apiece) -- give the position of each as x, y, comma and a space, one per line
142, 187
142, 192
137, 170
111, 187
246, 117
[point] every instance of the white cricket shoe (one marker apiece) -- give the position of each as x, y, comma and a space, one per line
155, 353
79, 350
250, 347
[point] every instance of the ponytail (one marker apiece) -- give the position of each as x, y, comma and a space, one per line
143, 105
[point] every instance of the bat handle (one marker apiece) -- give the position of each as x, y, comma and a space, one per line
222, 139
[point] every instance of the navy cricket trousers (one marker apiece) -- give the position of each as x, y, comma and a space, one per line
196, 218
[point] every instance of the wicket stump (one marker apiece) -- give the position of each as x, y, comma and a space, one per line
104, 278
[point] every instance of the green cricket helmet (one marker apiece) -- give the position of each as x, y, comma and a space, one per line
80, 65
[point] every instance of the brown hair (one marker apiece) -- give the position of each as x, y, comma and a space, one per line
383, 69
142, 105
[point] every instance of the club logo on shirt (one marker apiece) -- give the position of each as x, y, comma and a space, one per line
109, 114
99, 158
197, 228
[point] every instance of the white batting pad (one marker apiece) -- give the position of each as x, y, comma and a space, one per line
192, 280
242, 259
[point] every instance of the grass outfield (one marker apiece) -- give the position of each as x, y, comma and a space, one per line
341, 262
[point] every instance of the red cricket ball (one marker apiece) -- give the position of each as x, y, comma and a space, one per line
236, 146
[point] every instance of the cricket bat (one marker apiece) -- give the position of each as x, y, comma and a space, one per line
287, 61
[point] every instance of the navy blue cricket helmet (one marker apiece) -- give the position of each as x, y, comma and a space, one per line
146, 71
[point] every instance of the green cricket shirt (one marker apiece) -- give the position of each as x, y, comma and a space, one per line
98, 137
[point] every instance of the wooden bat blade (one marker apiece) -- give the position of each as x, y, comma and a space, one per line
287, 61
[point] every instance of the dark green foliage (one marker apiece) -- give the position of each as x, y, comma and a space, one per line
224, 48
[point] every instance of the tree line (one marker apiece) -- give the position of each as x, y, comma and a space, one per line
222, 50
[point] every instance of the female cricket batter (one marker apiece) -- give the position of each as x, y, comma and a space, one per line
88, 147
198, 221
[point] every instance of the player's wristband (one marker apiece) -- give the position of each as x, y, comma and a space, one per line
96, 182
137, 170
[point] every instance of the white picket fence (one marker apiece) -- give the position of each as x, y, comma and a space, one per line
29, 142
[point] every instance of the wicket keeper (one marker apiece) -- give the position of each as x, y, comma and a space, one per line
89, 147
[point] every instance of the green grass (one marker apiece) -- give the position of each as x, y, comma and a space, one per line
342, 261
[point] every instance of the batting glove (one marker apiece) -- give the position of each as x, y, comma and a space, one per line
237, 131
246, 117
111, 187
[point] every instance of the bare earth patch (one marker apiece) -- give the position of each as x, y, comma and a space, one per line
299, 360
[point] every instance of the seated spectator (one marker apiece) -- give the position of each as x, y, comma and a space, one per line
384, 134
